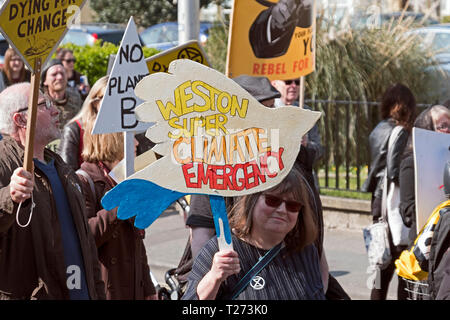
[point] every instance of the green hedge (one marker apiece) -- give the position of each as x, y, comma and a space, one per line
92, 61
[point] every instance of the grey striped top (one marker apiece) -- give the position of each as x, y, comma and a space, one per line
286, 277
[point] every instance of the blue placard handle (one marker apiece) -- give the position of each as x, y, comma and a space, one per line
220, 216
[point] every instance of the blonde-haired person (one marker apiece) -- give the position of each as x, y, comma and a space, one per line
262, 223
71, 144
13, 70
121, 250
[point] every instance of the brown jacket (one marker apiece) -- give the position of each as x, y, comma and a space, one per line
121, 249
31, 258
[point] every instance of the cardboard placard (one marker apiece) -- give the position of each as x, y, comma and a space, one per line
116, 113
431, 152
35, 28
215, 137
272, 39
190, 50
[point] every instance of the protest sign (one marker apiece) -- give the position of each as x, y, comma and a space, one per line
116, 113
34, 29
214, 138
431, 152
190, 50
273, 38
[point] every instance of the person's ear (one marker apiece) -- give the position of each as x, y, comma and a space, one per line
275, 83
19, 120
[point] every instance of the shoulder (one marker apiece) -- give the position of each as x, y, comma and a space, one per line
10, 154
94, 171
71, 127
73, 96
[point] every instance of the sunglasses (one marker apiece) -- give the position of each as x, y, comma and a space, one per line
275, 202
289, 82
443, 127
46, 103
70, 60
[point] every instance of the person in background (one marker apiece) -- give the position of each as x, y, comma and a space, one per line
279, 221
200, 218
54, 84
13, 70
74, 78
290, 90
120, 244
435, 118
71, 145
398, 107
439, 265
46, 250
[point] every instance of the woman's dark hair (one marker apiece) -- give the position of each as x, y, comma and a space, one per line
61, 53
305, 231
399, 104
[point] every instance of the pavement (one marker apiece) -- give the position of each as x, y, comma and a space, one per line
166, 239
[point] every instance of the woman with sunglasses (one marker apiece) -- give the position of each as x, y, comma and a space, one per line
71, 144
74, 78
277, 223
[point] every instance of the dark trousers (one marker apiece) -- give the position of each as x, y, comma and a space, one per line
380, 291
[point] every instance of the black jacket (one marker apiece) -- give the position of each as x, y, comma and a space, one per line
69, 148
407, 206
438, 266
378, 142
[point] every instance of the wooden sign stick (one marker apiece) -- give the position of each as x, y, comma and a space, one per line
128, 153
301, 96
32, 111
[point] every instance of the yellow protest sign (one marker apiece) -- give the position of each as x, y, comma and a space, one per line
190, 50
34, 28
272, 38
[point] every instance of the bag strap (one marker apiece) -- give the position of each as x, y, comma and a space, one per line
393, 136
261, 264
88, 178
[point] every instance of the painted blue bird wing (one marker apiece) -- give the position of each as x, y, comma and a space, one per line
147, 200
141, 198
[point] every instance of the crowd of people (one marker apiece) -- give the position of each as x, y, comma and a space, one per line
57, 241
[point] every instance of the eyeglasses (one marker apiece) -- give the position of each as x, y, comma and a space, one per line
46, 103
275, 202
289, 82
443, 127
70, 60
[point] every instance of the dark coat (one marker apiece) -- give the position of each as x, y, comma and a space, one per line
121, 249
378, 142
31, 259
438, 266
407, 206
69, 148
71, 145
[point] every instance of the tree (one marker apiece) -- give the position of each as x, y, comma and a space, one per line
145, 12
